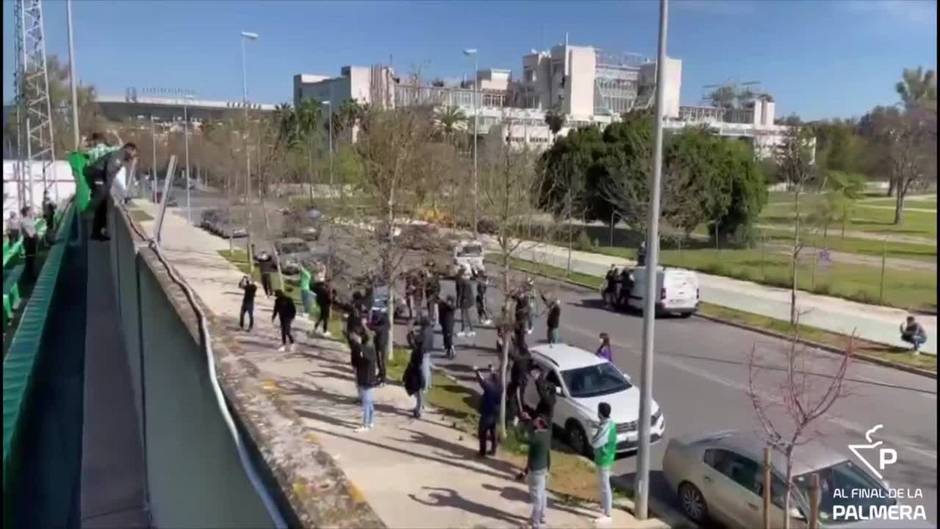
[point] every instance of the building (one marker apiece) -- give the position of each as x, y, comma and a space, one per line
586, 85
171, 109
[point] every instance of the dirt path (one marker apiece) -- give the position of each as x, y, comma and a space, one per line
853, 234
865, 260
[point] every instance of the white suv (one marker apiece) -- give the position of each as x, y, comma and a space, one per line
585, 381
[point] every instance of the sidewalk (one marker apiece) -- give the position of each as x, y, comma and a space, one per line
421, 474
871, 322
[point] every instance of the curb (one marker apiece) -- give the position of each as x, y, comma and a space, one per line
821, 346
824, 347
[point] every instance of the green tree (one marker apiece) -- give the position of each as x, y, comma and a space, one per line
555, 121
918, 88
449, 121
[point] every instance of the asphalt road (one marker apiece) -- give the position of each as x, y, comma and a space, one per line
700, 379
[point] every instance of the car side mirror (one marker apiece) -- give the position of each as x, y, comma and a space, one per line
557, 390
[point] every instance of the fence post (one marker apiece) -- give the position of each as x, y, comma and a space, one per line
884, 258
814, 503
763, 251
767, 492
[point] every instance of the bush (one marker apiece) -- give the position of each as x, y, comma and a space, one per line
583, 242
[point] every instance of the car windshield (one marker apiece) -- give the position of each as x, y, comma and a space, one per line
470, 250
291, 247
855, 488
594, 381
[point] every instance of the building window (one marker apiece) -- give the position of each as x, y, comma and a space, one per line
529, 75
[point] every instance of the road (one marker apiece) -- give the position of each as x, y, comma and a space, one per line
700, 381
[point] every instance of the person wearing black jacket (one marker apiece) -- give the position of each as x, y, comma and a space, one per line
518, 379
465, 302
432, 294
381, 330
445, 314
546, 391
482, 315
418, 372
324, 297
554, 318
267, 265
366, 381
248, 303
284, 309
610, 285
99, 175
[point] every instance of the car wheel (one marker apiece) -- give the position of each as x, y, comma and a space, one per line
577, 439
693, 502
686, 315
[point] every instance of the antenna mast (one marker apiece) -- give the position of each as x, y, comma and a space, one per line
34, 110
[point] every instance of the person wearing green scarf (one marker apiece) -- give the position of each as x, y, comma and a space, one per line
307, 297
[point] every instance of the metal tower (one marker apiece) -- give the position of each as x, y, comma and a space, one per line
34, 110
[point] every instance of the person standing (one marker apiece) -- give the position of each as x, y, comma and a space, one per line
13, 228
465, 302
284, 309
324, 299
419, 365
482, 315
355, 321
554, 319
610, 285
267, 266
48, 214
30, 240
307, 296
546, 391
626, 288
445, 313
538, 463
382, 331
489, 409
432, 294
366, 381
641, 254
604, 443
100, 174
604, 351
248, 303
518, 380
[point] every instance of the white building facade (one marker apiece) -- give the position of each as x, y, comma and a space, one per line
588, 86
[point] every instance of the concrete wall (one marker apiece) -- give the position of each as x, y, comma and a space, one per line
194, 475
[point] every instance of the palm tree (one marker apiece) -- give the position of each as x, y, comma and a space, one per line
918, 87
449, 120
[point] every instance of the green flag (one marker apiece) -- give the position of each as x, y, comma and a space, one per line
78, 161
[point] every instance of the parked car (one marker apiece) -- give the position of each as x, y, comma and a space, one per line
468, 255
718, 476
218, 222
380, 304
678, 289
292, 251
584, 381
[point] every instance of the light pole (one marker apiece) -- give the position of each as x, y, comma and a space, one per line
187, 98
247, 35
153, 166
329, 118
75, 133
641, 485
468, 52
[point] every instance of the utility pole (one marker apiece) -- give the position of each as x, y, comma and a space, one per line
189, 207
641, 485
153, 167
476, 114
250, 36
76, 137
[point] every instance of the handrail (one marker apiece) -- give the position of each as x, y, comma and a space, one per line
22, 357
253, 476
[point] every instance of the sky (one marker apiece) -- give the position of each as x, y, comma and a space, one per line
819, 58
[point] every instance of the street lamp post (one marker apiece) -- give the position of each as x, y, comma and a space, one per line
641, 485
72, 81
189, 208
476, 112
153, 165
330, 134
247, 35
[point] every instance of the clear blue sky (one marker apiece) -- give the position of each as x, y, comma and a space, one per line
818, 58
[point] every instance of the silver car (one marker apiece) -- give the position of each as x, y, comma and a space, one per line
719, 476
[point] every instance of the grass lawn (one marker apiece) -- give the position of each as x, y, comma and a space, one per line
240, 259
573, 477
871, 220
884, 352
900, 250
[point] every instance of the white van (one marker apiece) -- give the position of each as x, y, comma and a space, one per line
678, 290
468, 255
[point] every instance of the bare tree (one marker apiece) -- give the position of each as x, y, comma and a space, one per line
508, 186
802, 397
794, 158
388, 145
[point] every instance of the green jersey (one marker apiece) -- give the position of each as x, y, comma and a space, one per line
304, 279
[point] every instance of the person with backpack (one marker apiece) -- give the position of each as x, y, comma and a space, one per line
248, 303
604, 443
284, 309
366, 381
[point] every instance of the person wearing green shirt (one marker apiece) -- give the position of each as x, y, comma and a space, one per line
306, 295
537, 465
605, 449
